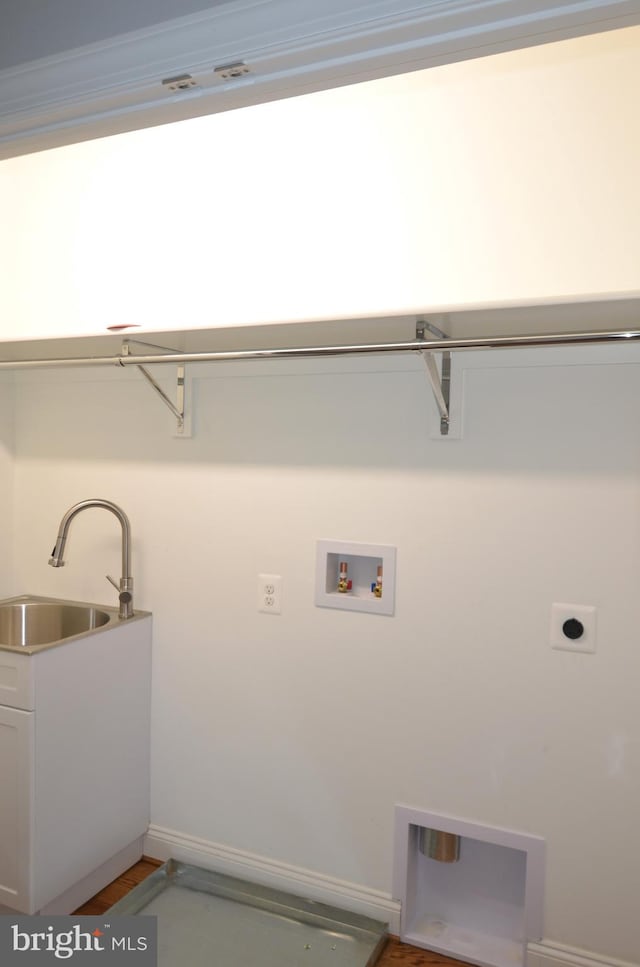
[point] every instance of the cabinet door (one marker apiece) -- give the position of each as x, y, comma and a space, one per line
16, 771
16, 680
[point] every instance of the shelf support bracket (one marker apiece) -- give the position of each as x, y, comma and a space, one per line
440, 381
176, 408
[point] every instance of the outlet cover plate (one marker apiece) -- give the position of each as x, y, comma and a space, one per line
270, 593
584, 613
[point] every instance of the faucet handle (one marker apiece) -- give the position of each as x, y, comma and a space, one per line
125, 596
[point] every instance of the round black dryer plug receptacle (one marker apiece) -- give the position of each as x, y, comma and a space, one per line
573, 629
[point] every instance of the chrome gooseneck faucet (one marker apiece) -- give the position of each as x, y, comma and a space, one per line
125, 587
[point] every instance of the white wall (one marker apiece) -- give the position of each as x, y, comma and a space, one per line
504, 179
293, 736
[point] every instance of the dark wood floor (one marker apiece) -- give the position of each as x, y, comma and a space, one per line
101, 902
395, 954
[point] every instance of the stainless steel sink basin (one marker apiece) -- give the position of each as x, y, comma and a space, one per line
27, 621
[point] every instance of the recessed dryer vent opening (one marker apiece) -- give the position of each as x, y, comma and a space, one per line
484, 906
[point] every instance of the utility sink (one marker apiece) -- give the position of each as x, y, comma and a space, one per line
28, 621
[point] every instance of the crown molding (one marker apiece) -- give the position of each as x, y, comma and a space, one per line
289, 47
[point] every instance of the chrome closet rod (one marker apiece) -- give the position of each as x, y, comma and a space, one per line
303, 352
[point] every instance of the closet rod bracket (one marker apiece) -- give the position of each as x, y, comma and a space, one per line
440, 380
177, 408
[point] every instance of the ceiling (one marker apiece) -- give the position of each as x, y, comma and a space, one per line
35, 29
32, 29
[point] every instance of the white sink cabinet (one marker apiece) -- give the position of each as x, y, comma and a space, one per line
74, 766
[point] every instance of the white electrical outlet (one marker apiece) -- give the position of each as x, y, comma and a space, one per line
270, 593
573, 627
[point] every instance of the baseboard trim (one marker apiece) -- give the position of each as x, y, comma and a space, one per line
558, 955
164, 844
